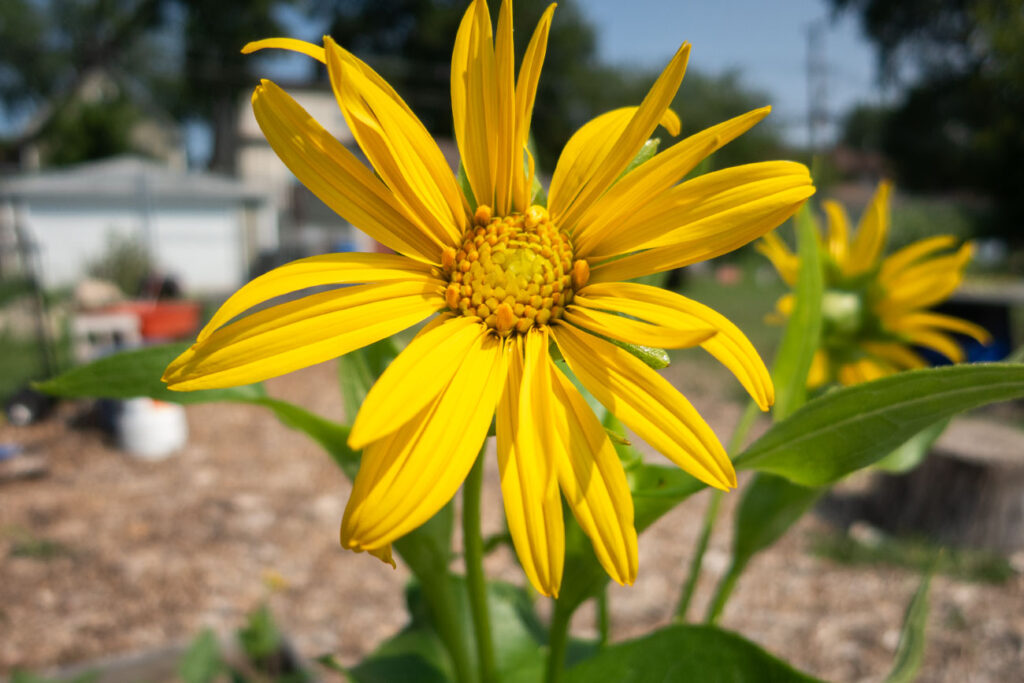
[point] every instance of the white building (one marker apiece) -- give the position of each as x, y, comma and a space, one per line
204, 229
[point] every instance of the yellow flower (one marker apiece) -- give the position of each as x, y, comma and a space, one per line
508, 277
874, 308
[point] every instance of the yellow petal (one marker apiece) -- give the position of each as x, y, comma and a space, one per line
944, 322
647, 404
316, 271
414, 379
668, 309
934, 340
872, 232
475, 100
599, 151
526, 93
820, 372
705, 207
407, 476
637, 331
507, 156
863, 370
594, 483
719, 235
786, 262
838, 233
291, 44
526, 442
896, 263
924, 284
383, 554
644, 184
895, 353
301, 333
785, 304
399, 147
333, 174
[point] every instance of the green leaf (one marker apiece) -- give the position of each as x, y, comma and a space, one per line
358, 370
803, 329
684, 653
130, 374
910, 651
415, 655
909, 455
853, 427
202, 662
259, 637
769, 507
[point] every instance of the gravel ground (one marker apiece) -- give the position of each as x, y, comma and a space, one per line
131, 555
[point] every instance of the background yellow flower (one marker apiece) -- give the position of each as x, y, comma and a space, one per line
875, 309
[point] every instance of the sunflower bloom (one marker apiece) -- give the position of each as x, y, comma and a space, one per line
875, 309
508, 278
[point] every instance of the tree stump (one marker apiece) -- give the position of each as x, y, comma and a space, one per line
968, 492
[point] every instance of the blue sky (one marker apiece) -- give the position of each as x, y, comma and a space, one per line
766, 40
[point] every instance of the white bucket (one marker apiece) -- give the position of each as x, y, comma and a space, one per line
151, 429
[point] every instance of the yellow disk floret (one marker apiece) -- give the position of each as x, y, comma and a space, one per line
513, 272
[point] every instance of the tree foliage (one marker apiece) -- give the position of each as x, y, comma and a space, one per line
957, 124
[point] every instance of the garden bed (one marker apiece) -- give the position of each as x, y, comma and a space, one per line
107, 555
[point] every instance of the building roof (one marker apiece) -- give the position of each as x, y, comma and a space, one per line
127, 177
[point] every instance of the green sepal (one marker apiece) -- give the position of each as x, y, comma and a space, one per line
646, 153
652, 356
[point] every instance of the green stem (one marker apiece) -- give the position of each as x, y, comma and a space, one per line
443, 601
710, 516
603, 617
473, 542
558, 638
722, 594
739, 435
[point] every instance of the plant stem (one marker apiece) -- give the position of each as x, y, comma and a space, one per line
473, 542
739, 435
558, 638
710, 516
722, 594
603, 617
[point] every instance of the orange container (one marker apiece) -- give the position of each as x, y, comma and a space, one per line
163, 319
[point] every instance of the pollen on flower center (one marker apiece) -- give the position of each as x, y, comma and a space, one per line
513, 272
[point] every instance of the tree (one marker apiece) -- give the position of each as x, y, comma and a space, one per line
214, 72
50, 48
957, 124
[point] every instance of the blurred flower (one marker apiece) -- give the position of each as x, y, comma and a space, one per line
874, 308
508, 276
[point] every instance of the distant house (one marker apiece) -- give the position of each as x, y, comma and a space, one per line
204, 229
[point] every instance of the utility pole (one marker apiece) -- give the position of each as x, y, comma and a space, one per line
817, 85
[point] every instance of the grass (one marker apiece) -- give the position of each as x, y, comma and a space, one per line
21, 360
26, 544
917, 554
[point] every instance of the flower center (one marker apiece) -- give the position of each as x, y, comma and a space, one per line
513, 272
